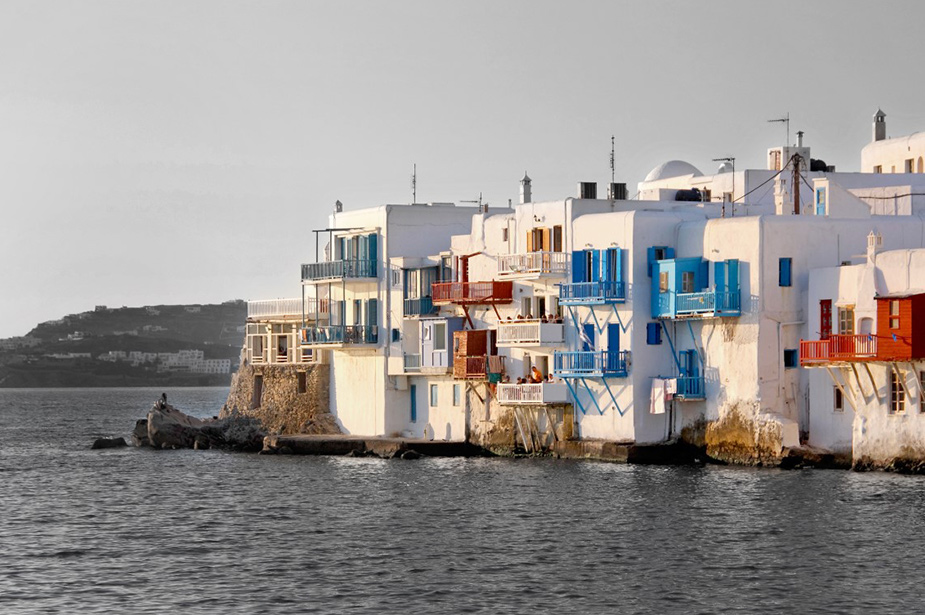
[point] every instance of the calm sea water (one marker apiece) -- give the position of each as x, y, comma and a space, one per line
144, 531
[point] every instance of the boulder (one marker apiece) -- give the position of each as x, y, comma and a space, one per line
168, 428
109, 443
411, 454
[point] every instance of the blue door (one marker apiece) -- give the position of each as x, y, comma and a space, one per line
613, 347
414, 403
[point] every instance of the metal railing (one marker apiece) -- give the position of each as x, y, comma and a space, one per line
422, 306
587, 292
590, 363
472, 292
332, 270
530, 332
533, 262
341, 334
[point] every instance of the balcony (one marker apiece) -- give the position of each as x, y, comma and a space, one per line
533, 264
590, 363
690, 388
838, 348
704, 304
600, 292
285, 309
473, 293
477, 367
412, 362
340, 335
423, 306
337, 270
530, 333
533, 394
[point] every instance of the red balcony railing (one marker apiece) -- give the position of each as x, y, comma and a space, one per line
473, 292
838, 348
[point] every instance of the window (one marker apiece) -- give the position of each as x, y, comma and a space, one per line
301, 382
557, 238
897, 396
784, 271
707, 195
878, 168
791, 358
440, 336
504, 234
839, 402
894, 314
846, 320
820, 201
663, 282
687, 282
653, 334
457, 394
910, 165
433, 395
396, 335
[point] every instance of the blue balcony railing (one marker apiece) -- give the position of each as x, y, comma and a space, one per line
594, 363
589, 293
704, 303
424, 306
333, 270
340, 334
690, 387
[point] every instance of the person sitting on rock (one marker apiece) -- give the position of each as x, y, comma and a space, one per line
162, 402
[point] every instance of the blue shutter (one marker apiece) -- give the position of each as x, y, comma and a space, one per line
372, 312
595, 266
341, 250
719, 276
653, 334
618, 265
732, 275
578, 266
669, 253
650, 260
372, 253
613, 337
702, 277
784, 276
606, 265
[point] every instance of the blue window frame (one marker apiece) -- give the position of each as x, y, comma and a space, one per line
653, 334
785, 271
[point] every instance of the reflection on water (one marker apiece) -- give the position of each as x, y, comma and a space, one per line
146, 531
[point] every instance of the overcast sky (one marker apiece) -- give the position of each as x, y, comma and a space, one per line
180, 152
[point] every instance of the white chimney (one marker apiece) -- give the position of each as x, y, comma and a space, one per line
526, 195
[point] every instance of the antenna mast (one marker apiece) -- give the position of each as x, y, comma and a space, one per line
612, 168
784, 120
414, 183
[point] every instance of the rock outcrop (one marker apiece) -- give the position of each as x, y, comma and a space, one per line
108, 443
167, 427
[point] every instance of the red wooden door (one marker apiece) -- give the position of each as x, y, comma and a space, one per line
825, 319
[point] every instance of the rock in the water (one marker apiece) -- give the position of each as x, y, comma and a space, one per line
167, 427
411, 454
140, 433
109, 443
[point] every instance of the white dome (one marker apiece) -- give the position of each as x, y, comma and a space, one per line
672, 168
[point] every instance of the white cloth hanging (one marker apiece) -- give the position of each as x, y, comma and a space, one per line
657, 398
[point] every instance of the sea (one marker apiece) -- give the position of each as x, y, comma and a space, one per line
148, 531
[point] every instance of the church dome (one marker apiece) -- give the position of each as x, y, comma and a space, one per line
672, 168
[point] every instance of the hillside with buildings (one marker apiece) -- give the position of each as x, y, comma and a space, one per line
163, 345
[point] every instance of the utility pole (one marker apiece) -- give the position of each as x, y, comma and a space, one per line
797, 160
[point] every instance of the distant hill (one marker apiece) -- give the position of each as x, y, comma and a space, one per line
169, 345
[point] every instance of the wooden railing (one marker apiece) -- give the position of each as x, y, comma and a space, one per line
838, 348
473, 292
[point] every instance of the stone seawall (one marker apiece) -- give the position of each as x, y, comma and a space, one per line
288, 399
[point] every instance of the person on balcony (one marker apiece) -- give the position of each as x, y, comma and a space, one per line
536, 376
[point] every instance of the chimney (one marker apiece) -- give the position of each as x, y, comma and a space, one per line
799, 138
587, 190
874, 244
526, 194
879, 125
338, 207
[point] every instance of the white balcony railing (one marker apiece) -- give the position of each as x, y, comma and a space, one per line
530, 332
285, 308
541, 393
536, 263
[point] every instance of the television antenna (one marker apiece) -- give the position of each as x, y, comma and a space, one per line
784, 120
